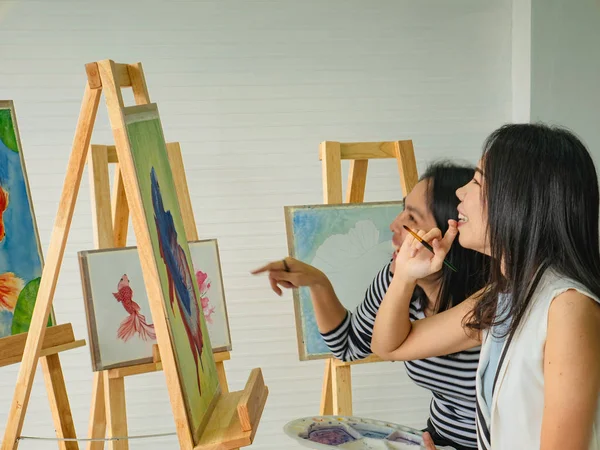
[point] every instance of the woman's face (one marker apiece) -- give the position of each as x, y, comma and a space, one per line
416, 214
472, 214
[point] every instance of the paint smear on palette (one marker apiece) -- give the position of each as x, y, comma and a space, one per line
333, 435
371, 431
403, 438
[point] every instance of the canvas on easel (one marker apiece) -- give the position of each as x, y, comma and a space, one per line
349, 243
117, 309
21, 257
108, 411
21, 266
172, 262
336, 393
204, 416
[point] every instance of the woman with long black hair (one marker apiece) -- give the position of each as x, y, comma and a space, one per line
533, 207
450, 378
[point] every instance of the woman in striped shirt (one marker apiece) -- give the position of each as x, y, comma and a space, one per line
451, 378
533, 207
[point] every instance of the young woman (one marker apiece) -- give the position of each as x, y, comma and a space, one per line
533, 207
451, 379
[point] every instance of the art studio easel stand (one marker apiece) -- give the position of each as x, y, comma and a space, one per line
336, 395
57, 339
111, 220
235, 417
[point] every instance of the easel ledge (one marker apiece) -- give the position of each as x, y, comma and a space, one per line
58, 338
227, 430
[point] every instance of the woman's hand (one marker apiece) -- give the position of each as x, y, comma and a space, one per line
428, 442
414, 261
291, 273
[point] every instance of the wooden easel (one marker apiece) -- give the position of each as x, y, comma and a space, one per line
110, 384
58, 338
236, 415
336, 395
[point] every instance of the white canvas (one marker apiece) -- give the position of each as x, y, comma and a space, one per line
114, 343
349, 243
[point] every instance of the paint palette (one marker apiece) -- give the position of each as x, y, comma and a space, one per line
353, 433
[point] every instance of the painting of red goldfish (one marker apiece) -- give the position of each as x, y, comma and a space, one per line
135, 321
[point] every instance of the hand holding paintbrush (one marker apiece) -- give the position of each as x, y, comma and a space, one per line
424, 243
423, 254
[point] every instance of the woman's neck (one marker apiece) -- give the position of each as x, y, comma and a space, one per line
431, 288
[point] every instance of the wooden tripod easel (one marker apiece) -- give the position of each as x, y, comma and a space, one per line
336, 395
108, 404
235, 416
57, 339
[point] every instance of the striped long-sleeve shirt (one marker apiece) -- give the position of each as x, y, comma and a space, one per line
450, 378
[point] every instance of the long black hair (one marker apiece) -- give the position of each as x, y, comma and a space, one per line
540, 190
444, 178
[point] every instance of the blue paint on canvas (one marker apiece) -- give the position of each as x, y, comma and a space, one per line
350, 244
19, 251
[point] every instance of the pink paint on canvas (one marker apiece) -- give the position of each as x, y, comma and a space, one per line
204, 286
135, 322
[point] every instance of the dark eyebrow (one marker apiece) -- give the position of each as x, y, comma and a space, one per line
477, 169
412, 209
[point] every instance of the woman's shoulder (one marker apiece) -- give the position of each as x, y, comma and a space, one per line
554, 285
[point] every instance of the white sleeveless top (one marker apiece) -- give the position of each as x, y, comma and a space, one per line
515, 420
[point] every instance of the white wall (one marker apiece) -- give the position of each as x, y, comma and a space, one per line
521, 60
565, 63
250, 88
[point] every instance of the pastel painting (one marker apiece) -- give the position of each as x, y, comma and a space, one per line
21, 259
120, 327
189, 335
350, 243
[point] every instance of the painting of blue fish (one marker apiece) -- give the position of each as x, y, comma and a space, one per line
189, 336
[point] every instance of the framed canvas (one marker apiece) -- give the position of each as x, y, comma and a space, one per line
174, 297
21, 257
350, 243
117, 309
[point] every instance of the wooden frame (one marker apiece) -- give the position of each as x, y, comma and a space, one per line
54, 339
9, 105
336, 394
108, 77
111, 220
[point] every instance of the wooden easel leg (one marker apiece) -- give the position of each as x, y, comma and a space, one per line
407, 165
97, 424
341, 380
55, 253
222, 377
116, 414
59, 401
120, 210
357, 181
327, 392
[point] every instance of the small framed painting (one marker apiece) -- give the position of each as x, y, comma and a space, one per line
120, 327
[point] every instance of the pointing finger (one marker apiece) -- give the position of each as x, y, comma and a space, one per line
265, 268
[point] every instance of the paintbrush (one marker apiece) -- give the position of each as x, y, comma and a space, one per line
427, 246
